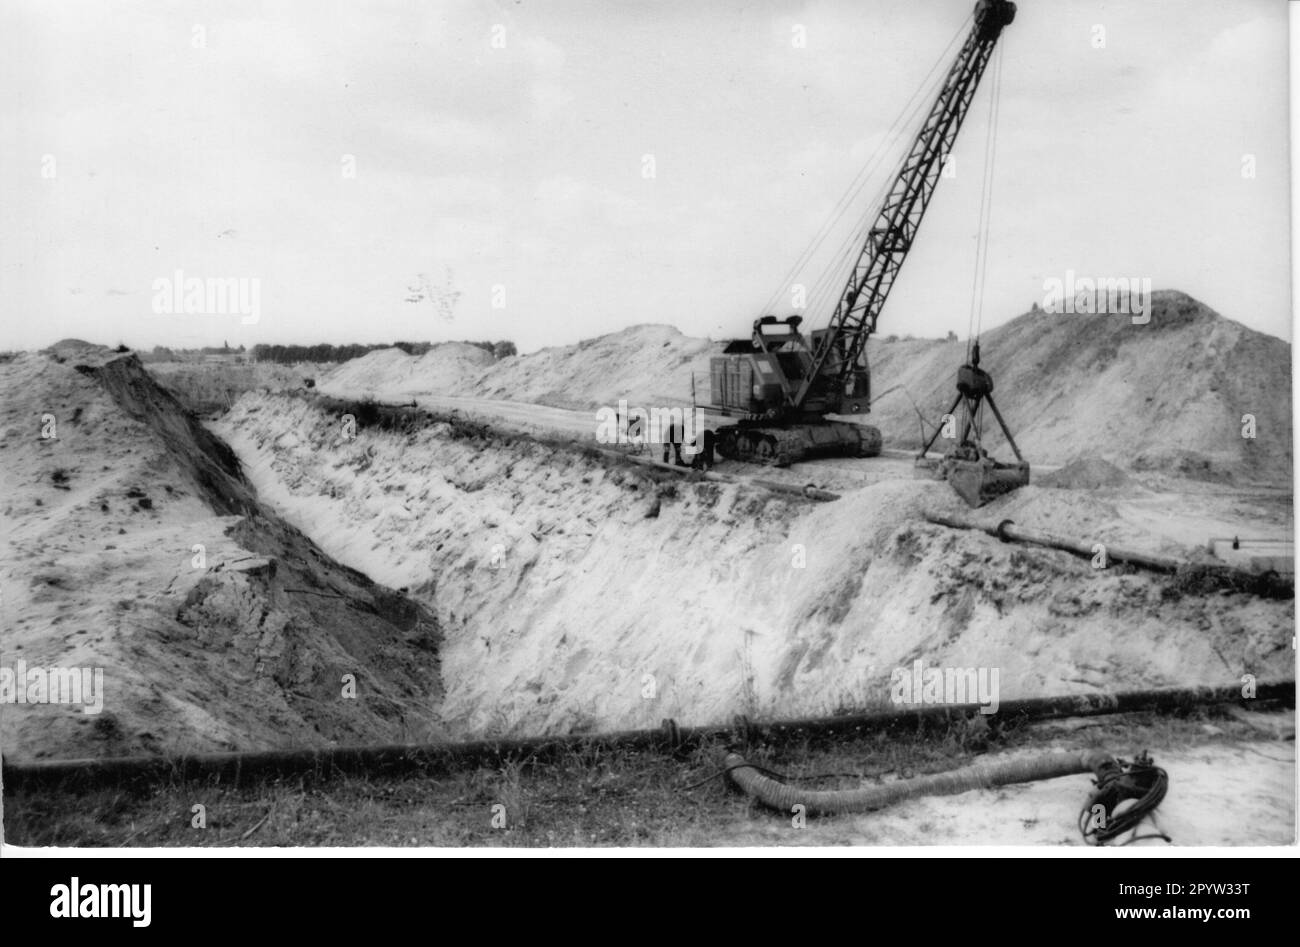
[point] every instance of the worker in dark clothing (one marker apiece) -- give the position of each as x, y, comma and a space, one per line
674, 438
703, 459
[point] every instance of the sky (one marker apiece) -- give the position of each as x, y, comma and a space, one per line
551, 172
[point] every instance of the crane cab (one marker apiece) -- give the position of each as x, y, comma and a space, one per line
756, 376
852, 388
760, 376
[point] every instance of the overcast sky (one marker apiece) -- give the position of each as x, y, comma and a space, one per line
504, 145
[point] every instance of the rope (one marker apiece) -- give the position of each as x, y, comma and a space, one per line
836, 276
1118, 782
976, 319
992, 179
904, 118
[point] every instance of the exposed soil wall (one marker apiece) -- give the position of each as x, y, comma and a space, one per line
578, 595
134, 544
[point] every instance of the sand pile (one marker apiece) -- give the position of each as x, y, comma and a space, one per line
647, 364
391, 374
1168, 395
133, 544
1087, 473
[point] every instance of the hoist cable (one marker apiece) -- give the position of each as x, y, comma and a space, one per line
860, 180
979, 277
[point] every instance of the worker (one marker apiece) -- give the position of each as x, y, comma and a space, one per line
673, 438
703, 459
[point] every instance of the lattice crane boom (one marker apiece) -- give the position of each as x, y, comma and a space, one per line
894, 229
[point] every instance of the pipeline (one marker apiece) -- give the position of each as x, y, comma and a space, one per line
442, 758
1007, 531
1228, 576
985, 775
1010, 712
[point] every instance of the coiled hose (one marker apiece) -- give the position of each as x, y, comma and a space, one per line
1119, 781
779, 796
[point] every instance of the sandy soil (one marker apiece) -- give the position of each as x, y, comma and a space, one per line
132, 544
544, 588
563, 587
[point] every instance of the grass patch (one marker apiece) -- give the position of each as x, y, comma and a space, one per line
588, 797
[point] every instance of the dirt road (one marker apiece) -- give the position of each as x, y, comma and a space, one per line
828, 473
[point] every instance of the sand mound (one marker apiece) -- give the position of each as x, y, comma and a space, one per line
1139, 396
76, 349
134, 545
648, 365
1088, 473
391, 374
1171, 393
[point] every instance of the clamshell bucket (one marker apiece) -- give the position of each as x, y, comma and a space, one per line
975, 476
982, 481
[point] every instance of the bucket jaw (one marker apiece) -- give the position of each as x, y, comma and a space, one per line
984, 480
977, 480
974, 475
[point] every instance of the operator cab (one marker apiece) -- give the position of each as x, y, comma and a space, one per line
781, 339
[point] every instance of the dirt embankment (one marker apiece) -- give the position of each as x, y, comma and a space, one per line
211, 384
134, 544
1168, 396
576, 594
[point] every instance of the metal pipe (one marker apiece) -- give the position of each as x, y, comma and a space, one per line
809, 491
1008, 531
1164, 700
438, 758
983, 775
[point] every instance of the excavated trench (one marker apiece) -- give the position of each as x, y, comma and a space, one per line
577, 593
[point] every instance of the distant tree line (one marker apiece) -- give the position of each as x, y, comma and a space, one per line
289, 354
162, 353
